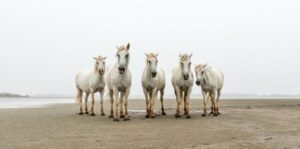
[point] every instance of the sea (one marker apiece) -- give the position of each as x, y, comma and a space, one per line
6, 103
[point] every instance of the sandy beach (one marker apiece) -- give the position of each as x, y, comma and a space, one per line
242, 124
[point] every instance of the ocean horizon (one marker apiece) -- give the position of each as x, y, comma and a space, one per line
40, 102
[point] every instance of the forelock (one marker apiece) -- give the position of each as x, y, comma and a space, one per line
122, 48
151, 55
184, 57
100, 58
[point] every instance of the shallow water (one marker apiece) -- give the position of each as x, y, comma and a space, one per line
32, 102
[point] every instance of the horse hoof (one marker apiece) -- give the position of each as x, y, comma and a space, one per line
219, 113
211, 113
188, 117
177, 116
126, 119
163, 113
111, 116
204, 115
102, 114
215, 114
80, 113
86, 112
122, 116
116, 120
147, 116
93, 114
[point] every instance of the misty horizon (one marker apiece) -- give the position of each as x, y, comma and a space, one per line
255, 43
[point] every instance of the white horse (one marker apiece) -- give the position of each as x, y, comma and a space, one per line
91, 82
182, 81
153, 80
118, 78
211, 82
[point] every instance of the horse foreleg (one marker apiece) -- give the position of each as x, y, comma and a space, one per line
93, 103
147, 102
86, 103
126, 104
111, 96
178, 99
153, 99
116, 104
101, 103
162, 102
184, 105
121, 105
205, 98
187, 102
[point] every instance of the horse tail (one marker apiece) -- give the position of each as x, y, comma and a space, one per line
79, 94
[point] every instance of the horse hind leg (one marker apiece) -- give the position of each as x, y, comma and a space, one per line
111, 96
218, 102
86, 103
79, 99
162, 102
214, 100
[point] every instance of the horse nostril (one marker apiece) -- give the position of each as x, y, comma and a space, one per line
154, 74
101, 71
186, 77
198, 82
121, 70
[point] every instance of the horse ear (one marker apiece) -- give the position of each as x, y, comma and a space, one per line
146, 54
156, 54
104, 58
95, 58
180, 55
128, 46
191, 55
205, 65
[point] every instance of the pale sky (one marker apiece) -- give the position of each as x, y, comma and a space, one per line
45, 43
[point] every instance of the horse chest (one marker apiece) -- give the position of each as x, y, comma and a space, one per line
185, 84
149, 85
121, 83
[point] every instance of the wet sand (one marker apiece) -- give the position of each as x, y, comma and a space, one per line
242, 124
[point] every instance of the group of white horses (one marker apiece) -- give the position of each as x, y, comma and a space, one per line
118, 79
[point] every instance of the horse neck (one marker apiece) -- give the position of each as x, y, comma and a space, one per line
206, 77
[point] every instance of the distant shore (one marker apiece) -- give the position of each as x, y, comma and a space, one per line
10, 95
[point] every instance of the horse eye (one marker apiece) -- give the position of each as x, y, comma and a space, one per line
149, 62
97, 63
103, 63
127, 55
190, 63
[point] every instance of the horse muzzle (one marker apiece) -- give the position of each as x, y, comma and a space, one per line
185, 77
121, 70
198, 83
101, 72
154, 74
